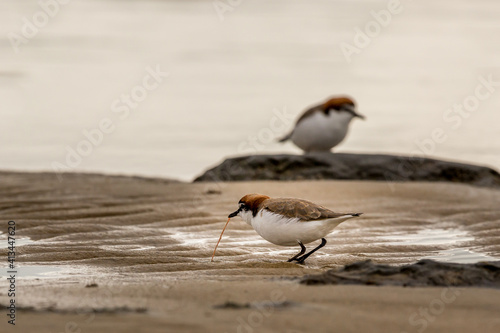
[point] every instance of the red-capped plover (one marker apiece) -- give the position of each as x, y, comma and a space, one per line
288, 222
323, 126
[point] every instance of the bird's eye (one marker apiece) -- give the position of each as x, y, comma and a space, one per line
348, 108
243, 206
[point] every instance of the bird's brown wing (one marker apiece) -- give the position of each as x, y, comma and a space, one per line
309, 113
302, 209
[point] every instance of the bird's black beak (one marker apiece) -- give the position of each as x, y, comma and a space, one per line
351, 109
359, 115
233, 214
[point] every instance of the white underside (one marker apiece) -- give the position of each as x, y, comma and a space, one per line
283, 231
321, 132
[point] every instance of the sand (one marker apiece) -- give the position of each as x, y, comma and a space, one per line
123, 254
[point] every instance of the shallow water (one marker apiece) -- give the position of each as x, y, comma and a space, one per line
40, 271
23, 241
462, 256
120, 225
228, 77
429, 236
454, 240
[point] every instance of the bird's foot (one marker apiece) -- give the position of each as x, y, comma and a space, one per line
299, 260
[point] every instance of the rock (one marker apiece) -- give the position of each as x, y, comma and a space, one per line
349, 166
423, 273
232, 305
255, 305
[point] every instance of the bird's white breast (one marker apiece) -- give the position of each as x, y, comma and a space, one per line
284, 231
321, 132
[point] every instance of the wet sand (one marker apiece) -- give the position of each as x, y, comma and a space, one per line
127, 254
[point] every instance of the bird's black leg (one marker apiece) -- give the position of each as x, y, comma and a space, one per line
302, 251
305, 256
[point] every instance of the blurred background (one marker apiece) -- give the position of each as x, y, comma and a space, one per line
68, 65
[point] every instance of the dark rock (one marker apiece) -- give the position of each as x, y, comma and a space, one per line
255, 305
79, 311
349, 166
421, 274
232, 305
212, 192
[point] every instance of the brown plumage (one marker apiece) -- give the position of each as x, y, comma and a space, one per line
335, 104
253, 201
291, 208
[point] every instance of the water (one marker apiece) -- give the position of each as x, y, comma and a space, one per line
454, 238
19, 241
462, 256
28, 271
23, 241
226, 78
34, 271
428, 237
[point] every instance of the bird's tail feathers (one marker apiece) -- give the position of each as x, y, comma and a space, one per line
286, 137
